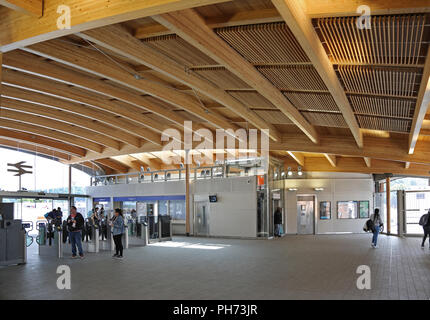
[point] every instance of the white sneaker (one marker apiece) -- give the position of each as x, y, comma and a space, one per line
372, 245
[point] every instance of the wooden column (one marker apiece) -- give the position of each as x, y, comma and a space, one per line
187, 195
1, 67
70, 186
388, 195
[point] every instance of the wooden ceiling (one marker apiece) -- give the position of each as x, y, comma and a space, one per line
334, 97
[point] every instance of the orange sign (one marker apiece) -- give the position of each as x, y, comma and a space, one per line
260, 180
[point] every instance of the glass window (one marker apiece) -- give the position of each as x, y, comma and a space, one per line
80, 180
364, 209
325, 210
177, 209
163, 207
83, 206
347, 209
127, 206
47, 175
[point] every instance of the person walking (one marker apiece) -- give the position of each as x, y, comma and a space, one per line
277, 220
425, 223
377, 225
75, 224
118, 229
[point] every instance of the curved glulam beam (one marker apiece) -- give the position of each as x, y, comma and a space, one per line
18, 31
30, 147
97, 64
62, 91
70, 118
119, 40
294, 14
192, 28
52, 134
113, 164
60, 127
42, 142
31, 7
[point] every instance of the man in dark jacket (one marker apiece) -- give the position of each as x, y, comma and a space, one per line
75, 224
277, 219
425, 222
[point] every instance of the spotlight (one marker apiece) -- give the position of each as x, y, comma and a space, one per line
283, 173
299, 171
289, 171
319, 189
292, 189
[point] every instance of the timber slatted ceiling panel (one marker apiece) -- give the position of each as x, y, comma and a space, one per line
312, 101
325, 119
179, 50
386, 124
394, 40
264, 43
293, 77
400, 108
221, 77
227, 113
252, 99
274, 116
382, 81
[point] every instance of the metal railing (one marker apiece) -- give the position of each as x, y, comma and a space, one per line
161, 175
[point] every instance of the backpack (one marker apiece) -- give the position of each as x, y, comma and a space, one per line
369, 226
424, 219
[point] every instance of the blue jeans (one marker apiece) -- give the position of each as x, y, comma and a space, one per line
76, 240
375, 235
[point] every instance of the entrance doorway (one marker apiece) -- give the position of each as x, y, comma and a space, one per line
305, 214
201, 218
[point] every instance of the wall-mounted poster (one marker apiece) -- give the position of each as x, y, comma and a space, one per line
364, 210
347, 209
325, 210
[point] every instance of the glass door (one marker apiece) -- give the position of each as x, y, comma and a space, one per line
417, 203
201, 218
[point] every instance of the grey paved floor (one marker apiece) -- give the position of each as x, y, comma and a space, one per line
294, 267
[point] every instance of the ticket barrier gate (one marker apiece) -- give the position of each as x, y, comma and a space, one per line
50, 240
136, 233
160, 228
13, 249
54, 240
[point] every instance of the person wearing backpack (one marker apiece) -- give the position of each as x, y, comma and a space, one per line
277, 219
425, 223
377, 225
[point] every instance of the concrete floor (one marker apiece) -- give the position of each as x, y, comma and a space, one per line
294, 267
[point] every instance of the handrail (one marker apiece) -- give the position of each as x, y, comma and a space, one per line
160, 175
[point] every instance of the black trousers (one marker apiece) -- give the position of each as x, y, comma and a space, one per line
118, 244
426, 233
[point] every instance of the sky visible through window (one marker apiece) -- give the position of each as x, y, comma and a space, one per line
48, 175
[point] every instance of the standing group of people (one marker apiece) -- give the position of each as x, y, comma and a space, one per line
97, 218
75, 223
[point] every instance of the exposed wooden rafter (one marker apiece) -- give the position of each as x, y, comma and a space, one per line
331, 159
192, 28
422, 104
295, 16
31, 7
118, 40
17, 31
